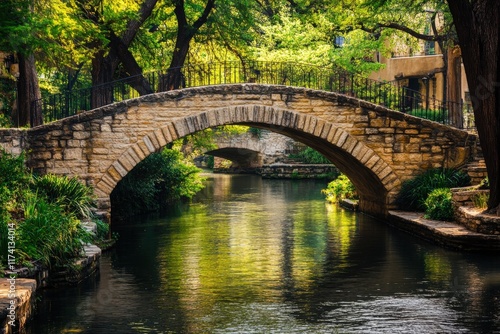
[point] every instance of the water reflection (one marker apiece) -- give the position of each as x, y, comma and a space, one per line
264, 256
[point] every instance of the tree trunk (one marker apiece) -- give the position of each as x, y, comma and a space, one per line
454, 87
103, 68
137, 80
174, 79
28, 93
478, 27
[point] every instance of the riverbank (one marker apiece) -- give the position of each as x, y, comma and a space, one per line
18, 288
447, 234
294, 171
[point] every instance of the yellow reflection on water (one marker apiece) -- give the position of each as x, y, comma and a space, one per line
342, 229
250, 247
437, 268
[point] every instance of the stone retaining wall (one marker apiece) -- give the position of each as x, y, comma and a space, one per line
23, 304
471, 217
298, 171
26, 286
13, 141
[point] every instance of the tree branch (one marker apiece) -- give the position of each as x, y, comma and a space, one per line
204, 17
134, 25
400, 27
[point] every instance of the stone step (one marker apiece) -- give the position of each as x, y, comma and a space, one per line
477, 172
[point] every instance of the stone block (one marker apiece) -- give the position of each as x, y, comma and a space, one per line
72, 154
371, 131
100, 151
436, 149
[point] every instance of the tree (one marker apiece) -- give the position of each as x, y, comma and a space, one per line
477, 23
185, 33
16, 22
112, 46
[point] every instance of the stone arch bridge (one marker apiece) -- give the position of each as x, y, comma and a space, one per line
252, 150
375, 147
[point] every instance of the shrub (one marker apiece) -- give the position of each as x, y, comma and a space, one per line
69, 193
484, 184
438, 205
44, 214
339, 189
13, 177
13, 173
159, 179
436, 115
310, 156
102, 229
256, 132
47, 234
414, 192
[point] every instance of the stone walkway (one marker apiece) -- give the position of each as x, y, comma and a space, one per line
448, 234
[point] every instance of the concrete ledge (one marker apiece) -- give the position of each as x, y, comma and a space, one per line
349, 204
447, 234
298, 171
25, 288
84, 266
23, 302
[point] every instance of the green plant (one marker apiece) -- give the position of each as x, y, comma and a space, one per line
5, 121
438, 205
69, 193
47, 234
210, 161
13, 177
102, 229
480, 200
159, 179
414, 192
13, 173
256, 132
484, 184
44, 215
437, 115
310, 156
339, 189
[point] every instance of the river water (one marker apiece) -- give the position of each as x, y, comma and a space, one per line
270, 256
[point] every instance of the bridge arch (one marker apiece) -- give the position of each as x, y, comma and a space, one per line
371, 175
376, 147
240, 157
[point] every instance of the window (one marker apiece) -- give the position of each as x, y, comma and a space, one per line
339, 41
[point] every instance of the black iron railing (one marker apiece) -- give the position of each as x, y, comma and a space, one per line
389, 94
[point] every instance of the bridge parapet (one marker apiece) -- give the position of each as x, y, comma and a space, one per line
330, 79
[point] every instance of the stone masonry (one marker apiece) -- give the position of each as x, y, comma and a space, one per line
375, 147
248, 150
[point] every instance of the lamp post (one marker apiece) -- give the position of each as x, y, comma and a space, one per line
426, 84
